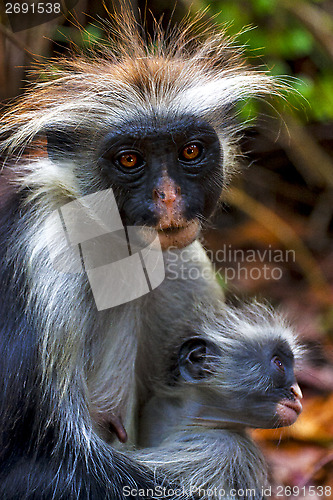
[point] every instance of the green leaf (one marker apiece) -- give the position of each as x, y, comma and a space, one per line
91, 35
247, 111
263, 7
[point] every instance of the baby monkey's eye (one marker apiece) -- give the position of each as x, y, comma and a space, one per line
278, 363
129, 159
191, 152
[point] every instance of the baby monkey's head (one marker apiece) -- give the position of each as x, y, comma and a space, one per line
241, 370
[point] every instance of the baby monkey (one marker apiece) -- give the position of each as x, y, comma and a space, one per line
234, 372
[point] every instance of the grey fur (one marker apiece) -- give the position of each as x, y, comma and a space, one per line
194, 430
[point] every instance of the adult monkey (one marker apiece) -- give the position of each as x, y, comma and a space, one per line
154, 124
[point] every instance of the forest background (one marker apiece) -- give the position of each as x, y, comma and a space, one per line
272, 236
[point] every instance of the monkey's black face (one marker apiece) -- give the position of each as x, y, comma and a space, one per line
278, 395
166, 174
252, 386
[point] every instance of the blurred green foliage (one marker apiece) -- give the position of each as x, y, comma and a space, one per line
286, 46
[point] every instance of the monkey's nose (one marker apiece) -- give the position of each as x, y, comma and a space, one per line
167, 195
296, 391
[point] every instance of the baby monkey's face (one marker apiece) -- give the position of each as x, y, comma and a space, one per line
241, 381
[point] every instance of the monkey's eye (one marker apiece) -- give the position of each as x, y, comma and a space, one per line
129, 159
278, 363
191, 152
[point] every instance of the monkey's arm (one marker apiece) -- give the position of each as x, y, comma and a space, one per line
211, 463
48, 448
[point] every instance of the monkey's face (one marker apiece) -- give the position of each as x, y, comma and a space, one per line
251, 385
275, 398
166, 175
268, 390
284, 387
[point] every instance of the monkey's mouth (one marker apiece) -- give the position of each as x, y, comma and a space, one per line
178, 236
288, 411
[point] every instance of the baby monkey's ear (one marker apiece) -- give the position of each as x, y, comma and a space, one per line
196, 358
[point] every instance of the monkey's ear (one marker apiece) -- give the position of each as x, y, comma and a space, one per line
194, 359
60, 144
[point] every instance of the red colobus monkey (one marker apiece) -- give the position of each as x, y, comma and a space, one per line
154, 123
202, 386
